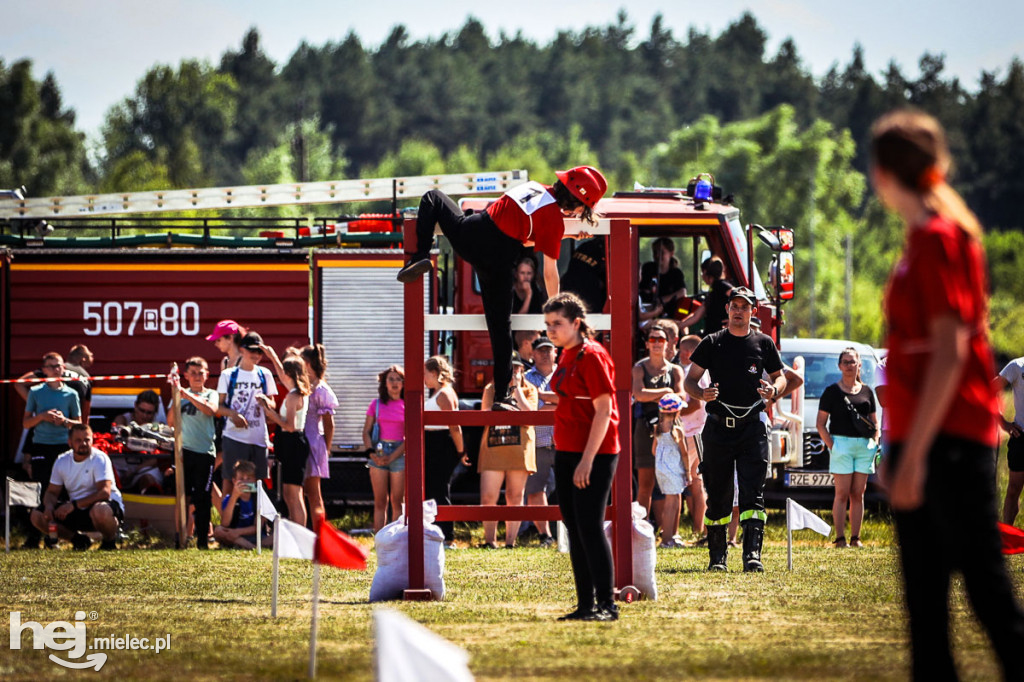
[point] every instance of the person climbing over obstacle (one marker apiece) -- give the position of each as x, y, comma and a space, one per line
530, 214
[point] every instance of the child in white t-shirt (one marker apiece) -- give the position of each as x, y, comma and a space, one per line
245, 432
669, 467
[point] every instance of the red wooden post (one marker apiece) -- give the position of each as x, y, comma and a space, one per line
414, 422
622, 269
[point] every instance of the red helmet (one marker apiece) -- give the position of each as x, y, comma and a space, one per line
585, 182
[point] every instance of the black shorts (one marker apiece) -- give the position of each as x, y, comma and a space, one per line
1015, 454
79, 519
291, 449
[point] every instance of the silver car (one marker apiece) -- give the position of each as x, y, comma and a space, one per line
809, 481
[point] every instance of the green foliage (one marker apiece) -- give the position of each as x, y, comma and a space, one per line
414, 157
641, 105
802, 177
183, 118
302, 153
39, 147
1004, 251
135, 172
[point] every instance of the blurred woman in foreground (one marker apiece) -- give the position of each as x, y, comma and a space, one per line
943, 410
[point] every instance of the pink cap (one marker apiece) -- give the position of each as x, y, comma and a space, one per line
224, 328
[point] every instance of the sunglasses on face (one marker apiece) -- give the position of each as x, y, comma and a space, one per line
657, 339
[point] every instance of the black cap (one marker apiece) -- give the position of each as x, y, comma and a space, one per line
744, 293
517, 359
542, 342
251, 341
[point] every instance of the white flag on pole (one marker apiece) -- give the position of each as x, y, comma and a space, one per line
409, 652
292, 541
798, 517
20, 493
264, 506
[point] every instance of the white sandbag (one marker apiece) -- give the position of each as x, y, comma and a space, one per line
392, 546
644, 554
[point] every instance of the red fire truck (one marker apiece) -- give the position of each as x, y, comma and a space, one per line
144, 292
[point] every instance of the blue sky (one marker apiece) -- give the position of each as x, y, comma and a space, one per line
99, 50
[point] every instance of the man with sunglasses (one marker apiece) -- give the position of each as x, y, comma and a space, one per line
142, 475
735, 437
51, 408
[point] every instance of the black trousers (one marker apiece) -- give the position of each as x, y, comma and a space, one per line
583, 512
43, 457
439, 461
955, 529
493, 255
198, 481
744, 447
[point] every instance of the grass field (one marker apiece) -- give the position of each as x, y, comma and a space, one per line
838, 615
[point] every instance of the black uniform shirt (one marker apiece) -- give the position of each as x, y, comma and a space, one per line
586, 274
735, 363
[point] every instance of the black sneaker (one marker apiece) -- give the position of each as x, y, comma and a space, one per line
547, 541
49, 543
753, 566
108, 545
581, 613
31, 542
81, 542
414, 269
604, 613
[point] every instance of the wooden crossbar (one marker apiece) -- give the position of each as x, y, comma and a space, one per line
493, 512
437, 322
489, 418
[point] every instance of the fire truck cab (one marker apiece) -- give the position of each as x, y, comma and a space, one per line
697, 229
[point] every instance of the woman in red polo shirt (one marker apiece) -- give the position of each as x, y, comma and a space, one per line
942, 408
491, 241
586, 452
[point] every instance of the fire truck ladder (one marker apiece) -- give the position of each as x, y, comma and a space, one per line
622, 263
291, 194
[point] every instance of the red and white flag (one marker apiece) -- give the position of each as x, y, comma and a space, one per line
1013, 539
337, 549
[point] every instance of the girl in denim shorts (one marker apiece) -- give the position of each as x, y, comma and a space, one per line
384, 440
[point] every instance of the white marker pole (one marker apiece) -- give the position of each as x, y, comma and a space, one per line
314, 620
7, 516
789, 539
259, 519
273, 599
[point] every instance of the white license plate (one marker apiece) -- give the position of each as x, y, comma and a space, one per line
809, 480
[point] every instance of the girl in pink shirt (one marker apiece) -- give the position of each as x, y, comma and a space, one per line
386, 448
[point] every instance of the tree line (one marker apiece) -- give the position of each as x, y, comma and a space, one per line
657, 109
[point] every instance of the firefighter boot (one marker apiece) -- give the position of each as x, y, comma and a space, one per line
718, 548
753, 536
